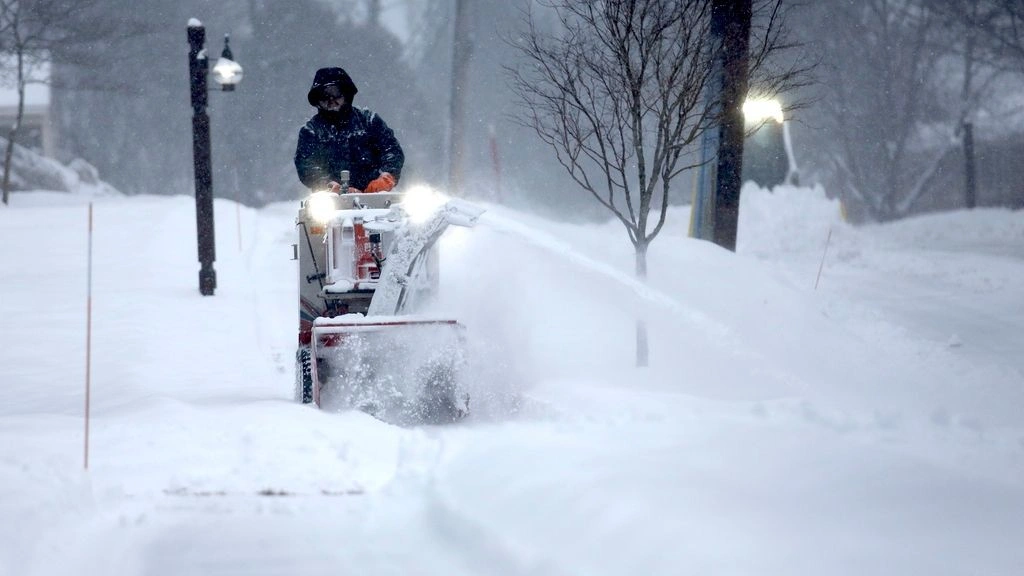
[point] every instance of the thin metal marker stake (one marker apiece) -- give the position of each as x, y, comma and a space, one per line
88, 339
822, 265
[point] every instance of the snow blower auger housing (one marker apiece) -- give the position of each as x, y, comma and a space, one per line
367, 264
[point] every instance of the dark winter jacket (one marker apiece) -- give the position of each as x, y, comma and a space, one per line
353, 139
356, 140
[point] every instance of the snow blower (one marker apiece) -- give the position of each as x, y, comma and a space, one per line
368, 263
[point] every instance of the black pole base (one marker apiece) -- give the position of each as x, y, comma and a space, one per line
207, 281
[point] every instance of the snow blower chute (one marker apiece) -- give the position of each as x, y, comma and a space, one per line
367, 264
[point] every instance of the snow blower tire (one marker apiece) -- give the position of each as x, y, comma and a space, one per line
303, 376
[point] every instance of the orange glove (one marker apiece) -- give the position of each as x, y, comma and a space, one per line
383, 183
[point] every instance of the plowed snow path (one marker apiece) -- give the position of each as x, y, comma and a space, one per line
777, 431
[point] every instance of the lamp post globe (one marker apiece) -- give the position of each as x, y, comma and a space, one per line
226, 71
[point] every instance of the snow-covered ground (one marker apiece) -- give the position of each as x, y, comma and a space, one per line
874, 425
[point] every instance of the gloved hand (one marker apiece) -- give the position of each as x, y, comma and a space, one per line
382, 183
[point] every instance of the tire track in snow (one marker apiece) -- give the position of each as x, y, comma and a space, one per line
485, 550
480, 548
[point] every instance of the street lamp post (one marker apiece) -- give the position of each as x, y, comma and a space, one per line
227, 73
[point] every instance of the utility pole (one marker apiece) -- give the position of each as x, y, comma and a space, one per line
733, 24
462, 47
716, 202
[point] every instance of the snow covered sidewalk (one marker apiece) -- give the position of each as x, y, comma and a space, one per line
874, 426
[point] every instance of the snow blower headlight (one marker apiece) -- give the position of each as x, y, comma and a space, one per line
422, 202
321, 206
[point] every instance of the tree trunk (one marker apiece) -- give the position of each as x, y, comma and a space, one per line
374, 10
7, 164
9, 154
970, 180
642, 347
970, 190
461, 48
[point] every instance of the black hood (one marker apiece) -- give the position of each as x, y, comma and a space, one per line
332, 77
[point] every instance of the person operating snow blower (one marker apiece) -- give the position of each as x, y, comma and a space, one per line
368, 271
342, 137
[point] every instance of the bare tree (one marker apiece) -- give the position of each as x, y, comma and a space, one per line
617, 91
978, 54
1003, 24
901, 86
30, 32
17, 40
880, 89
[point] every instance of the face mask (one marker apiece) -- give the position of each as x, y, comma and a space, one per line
331, 99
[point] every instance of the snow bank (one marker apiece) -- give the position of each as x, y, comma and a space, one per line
33, 171
786, 219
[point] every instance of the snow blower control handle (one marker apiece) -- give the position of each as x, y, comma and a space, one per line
341, 186
344, 180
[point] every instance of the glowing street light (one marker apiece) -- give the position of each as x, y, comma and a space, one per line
758, 111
